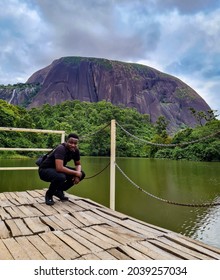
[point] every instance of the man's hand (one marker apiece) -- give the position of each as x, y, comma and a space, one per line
77, 177
76, 180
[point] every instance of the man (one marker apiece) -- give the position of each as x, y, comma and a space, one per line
54, 170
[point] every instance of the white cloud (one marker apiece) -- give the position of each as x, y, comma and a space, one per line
181, 38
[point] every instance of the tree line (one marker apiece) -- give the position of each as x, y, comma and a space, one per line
88, 121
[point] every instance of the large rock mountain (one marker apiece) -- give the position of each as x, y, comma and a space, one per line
132, 85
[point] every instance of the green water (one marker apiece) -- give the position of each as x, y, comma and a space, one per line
178, 181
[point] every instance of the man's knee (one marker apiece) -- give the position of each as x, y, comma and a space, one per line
59, 177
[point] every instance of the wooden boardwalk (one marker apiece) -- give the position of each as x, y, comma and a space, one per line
82, 229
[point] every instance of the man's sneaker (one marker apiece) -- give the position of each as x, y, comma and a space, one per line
49, 200
61, 196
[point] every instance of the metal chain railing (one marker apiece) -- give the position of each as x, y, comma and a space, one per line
168, 145
155, 144
90, 177
93, 133
162, 199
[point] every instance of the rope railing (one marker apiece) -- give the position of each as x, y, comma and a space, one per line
168, 145
162, 199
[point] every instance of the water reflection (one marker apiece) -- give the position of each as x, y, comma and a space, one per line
179, 181
206, 226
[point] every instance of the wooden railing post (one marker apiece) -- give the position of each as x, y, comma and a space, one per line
112, 165
63, 137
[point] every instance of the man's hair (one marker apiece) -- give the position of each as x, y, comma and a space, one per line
73, 135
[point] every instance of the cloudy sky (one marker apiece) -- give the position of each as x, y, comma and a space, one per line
179, 37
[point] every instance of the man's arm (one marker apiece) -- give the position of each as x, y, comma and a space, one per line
61, 168
78, 169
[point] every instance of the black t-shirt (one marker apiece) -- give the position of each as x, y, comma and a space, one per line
63, 153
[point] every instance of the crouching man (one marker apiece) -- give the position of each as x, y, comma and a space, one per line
54, 169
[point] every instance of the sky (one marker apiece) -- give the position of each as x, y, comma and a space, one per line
178, 37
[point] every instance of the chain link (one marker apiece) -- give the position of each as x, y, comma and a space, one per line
160, 145
90, 177
93, 133
168, 145
162, 199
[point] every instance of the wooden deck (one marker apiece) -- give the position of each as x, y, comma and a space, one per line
82, 229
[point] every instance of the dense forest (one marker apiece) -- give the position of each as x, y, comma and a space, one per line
91, 121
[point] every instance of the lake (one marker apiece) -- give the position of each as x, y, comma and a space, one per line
178, 181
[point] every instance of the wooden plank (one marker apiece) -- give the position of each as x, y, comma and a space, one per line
125, 233
104, 255
4, 233
73, 243
108, 216
34, 193
35, 211
88, 215
145, 230
111, 233
58, 206
92, 247
15, 249
4, 252
3, 214
45, 209
195, 245
118, 254
42, 192
85, 218
51, 224
94, 203
81, 219
84, 204
91, 257
11, 198
10, 195
14, 212
29, 248
44, 248
73, 220
58, 245
27, 196
5, 203
112, 213
22, 227
101, 236
62, 222
93, 238
133, 254
26, 210
182, 248
181, 254
41, 200
71, 207
22, 200
35, 225
2, 197
155, 252
102, 220
15, 231
65, 222
152, 252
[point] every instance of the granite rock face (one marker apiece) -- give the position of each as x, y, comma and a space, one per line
132, 85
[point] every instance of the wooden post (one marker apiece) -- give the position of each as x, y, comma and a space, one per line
63, 137
112, 165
